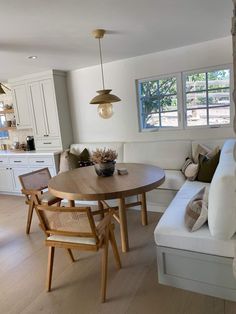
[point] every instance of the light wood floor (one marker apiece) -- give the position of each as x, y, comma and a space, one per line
132, 290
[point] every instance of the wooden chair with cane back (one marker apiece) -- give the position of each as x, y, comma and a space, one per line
75, 228
34, 185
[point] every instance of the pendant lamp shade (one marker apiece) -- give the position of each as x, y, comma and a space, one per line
2, 91
104, 99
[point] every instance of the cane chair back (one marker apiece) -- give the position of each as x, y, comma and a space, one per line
33, 184
74, 222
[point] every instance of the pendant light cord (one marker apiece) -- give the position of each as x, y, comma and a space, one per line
100, 52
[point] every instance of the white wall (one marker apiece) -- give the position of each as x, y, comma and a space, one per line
121, 76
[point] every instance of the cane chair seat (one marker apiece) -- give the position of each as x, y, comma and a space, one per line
48, 198
81, 240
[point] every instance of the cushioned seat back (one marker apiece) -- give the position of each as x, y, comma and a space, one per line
118, 147
222, 195
165, 154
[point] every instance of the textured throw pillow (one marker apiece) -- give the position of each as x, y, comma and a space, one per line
190, 169
69, 161
84, 158
196, 211
207, 167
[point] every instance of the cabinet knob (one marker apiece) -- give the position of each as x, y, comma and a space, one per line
18, 124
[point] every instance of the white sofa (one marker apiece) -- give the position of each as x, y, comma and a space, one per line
194, 261
201, 261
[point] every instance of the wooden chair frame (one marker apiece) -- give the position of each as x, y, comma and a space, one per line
103, 233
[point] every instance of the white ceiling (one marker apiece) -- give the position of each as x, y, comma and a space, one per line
59, 31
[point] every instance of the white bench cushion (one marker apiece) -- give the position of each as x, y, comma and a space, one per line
172, 232
174, 179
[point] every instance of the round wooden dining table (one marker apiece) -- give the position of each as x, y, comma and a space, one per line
85, 184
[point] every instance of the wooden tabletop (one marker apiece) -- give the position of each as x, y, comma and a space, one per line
84, 184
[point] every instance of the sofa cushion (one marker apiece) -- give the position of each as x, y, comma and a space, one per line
172, 232
174, 179
222, 198
117, 146
165, 154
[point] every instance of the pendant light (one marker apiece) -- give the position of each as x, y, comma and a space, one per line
104, 100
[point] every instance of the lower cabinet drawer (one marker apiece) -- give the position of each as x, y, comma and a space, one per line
4, 160
18, 160
48, 143
40, 161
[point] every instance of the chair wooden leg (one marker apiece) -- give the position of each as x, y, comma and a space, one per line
104, 267
50, 267
29, 218
71, 255
114, 247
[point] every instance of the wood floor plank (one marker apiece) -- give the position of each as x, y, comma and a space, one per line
76, 286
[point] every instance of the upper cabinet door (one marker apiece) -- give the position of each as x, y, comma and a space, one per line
21, 107
50, 107
37, 105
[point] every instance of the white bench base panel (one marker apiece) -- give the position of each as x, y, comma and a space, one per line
203, 273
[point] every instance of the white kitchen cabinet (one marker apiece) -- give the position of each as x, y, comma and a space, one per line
44, 109
6, 179
16, 172
12, 165
21, 106
46, 94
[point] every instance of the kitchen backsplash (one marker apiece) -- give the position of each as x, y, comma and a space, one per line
16, 136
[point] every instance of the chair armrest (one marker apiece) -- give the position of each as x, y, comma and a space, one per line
104, 223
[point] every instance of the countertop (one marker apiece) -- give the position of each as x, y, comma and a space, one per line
28, 153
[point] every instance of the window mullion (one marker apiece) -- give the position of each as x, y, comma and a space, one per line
207, 100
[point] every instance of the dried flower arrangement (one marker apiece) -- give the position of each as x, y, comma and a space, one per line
103, 155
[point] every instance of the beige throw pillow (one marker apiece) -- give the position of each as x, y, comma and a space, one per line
68, 161
205, 151
196, 211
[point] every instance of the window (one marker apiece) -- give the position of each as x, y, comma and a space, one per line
3, 134
158, 103
207, 98
185, 100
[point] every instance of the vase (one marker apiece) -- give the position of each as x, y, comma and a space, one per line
105, 169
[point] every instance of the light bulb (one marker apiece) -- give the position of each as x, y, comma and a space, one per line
105, 111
